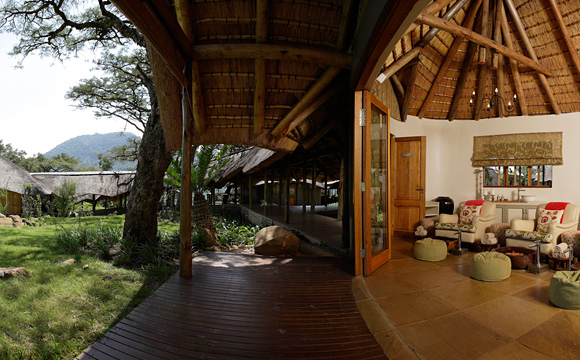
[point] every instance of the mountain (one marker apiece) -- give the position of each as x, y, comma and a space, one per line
86, 148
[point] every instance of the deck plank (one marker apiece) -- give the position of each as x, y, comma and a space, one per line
246, 307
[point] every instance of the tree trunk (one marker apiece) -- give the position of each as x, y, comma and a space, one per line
153, 160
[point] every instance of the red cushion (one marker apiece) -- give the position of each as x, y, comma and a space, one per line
557, 206
474, 202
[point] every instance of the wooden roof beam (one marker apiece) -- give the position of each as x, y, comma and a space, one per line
409, 91
260, 67
567, 38
432, 9
272, 52
498, 60
507, 36
532, 53
317, 95
345, 21
481, 40
319, 134
467, 23
397, 84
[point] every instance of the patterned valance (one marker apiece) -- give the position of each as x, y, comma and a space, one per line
518, 149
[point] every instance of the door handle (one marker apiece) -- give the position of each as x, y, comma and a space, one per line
421, 190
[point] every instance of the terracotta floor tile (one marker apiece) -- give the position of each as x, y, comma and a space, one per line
373, 317
358, 293
412, 265
455, 260
454, 336
390, 285
433, 278
545, 276
537, 293
558, 337
414, 307
510, 315
467, 294
513, 351
390, 267
395, 347
511, 285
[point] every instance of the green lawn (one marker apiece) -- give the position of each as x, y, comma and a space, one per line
62, 309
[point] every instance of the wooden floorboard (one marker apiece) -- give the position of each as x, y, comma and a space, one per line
245, 307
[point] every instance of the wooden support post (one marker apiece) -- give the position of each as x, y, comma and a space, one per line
250, 192
496, 37
287, 194
325, 190
265, 202
499, 58
341, 189
185, 257
235, 195
532, 53
94, 204
304, 191
213, 194
313, 189
507, 37
484, 31
480, 92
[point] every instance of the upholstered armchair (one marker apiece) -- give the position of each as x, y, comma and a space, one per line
473, 220
547, 226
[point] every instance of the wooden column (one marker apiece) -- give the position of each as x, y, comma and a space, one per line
304, 188
94, 204
313, 190
266, 192
236, 195
325, 190
213, 194
287, 194
250, 191
341, 189
280, 189
185, 256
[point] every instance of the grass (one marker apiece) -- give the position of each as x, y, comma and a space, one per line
62, 309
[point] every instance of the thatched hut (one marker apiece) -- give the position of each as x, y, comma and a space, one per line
12, 179
93, 187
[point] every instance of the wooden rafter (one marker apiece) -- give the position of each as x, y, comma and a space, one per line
484, 30
467, 23
260, 67
532, 53
318, 134
566, 35
341, 42
514, 66
483, 41
498, 58
409, 91
397, 84
272, 52
432, 9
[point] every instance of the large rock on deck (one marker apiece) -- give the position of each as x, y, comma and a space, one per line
276, 241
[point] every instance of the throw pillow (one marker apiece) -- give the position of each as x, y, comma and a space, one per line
467, 213
546, 217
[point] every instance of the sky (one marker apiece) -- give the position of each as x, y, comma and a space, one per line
35, 116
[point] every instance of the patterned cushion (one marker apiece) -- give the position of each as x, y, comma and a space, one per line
528, 235
454, 226
572, 238
429, 225
546, 217
499, 230
467, 213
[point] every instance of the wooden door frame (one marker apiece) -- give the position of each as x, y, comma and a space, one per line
362, 219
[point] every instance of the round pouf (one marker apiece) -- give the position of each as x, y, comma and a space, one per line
490, 266
565, 290
430, 250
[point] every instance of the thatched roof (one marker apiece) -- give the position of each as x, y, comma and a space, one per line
102, 184
545, 75
247, 162
13, 177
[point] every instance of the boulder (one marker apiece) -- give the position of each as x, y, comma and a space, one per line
276, 241
2, 216
16, 221
6, 222
69, 261
13, 272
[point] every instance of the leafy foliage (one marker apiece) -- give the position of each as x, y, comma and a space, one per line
232, 233
3, 201
31, 204
64, 200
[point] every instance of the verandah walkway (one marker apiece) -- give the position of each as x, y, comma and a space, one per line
246, 306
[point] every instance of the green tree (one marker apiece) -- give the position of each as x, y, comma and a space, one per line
208, 161
105, 162
12, 154
64, 198
126, 90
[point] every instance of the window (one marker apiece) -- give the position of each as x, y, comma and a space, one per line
518, 176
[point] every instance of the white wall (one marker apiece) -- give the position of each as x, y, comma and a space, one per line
450, 147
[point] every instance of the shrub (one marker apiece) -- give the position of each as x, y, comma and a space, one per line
64, 200
232, 233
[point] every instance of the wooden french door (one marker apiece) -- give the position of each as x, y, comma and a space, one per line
372, 183
408, 183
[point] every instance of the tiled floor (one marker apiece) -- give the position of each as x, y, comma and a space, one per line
434, 310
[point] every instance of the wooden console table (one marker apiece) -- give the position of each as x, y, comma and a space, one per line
505, 206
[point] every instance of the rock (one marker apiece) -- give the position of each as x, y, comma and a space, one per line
85, 267
6, 222
13, 272
275, 241
2, 216
16, 221
69, 261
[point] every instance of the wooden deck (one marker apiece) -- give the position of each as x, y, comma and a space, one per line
246, 307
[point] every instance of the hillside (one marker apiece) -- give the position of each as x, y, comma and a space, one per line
86, 148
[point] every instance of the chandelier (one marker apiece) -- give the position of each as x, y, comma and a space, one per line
489, 102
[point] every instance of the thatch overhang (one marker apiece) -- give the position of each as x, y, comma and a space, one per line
103, 185
12, 178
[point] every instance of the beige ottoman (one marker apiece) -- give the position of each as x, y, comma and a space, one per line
430, 250
490, 266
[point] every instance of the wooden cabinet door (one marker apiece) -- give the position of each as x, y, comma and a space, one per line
409, 183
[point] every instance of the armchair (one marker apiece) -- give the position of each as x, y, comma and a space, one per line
448, 225
523, 233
